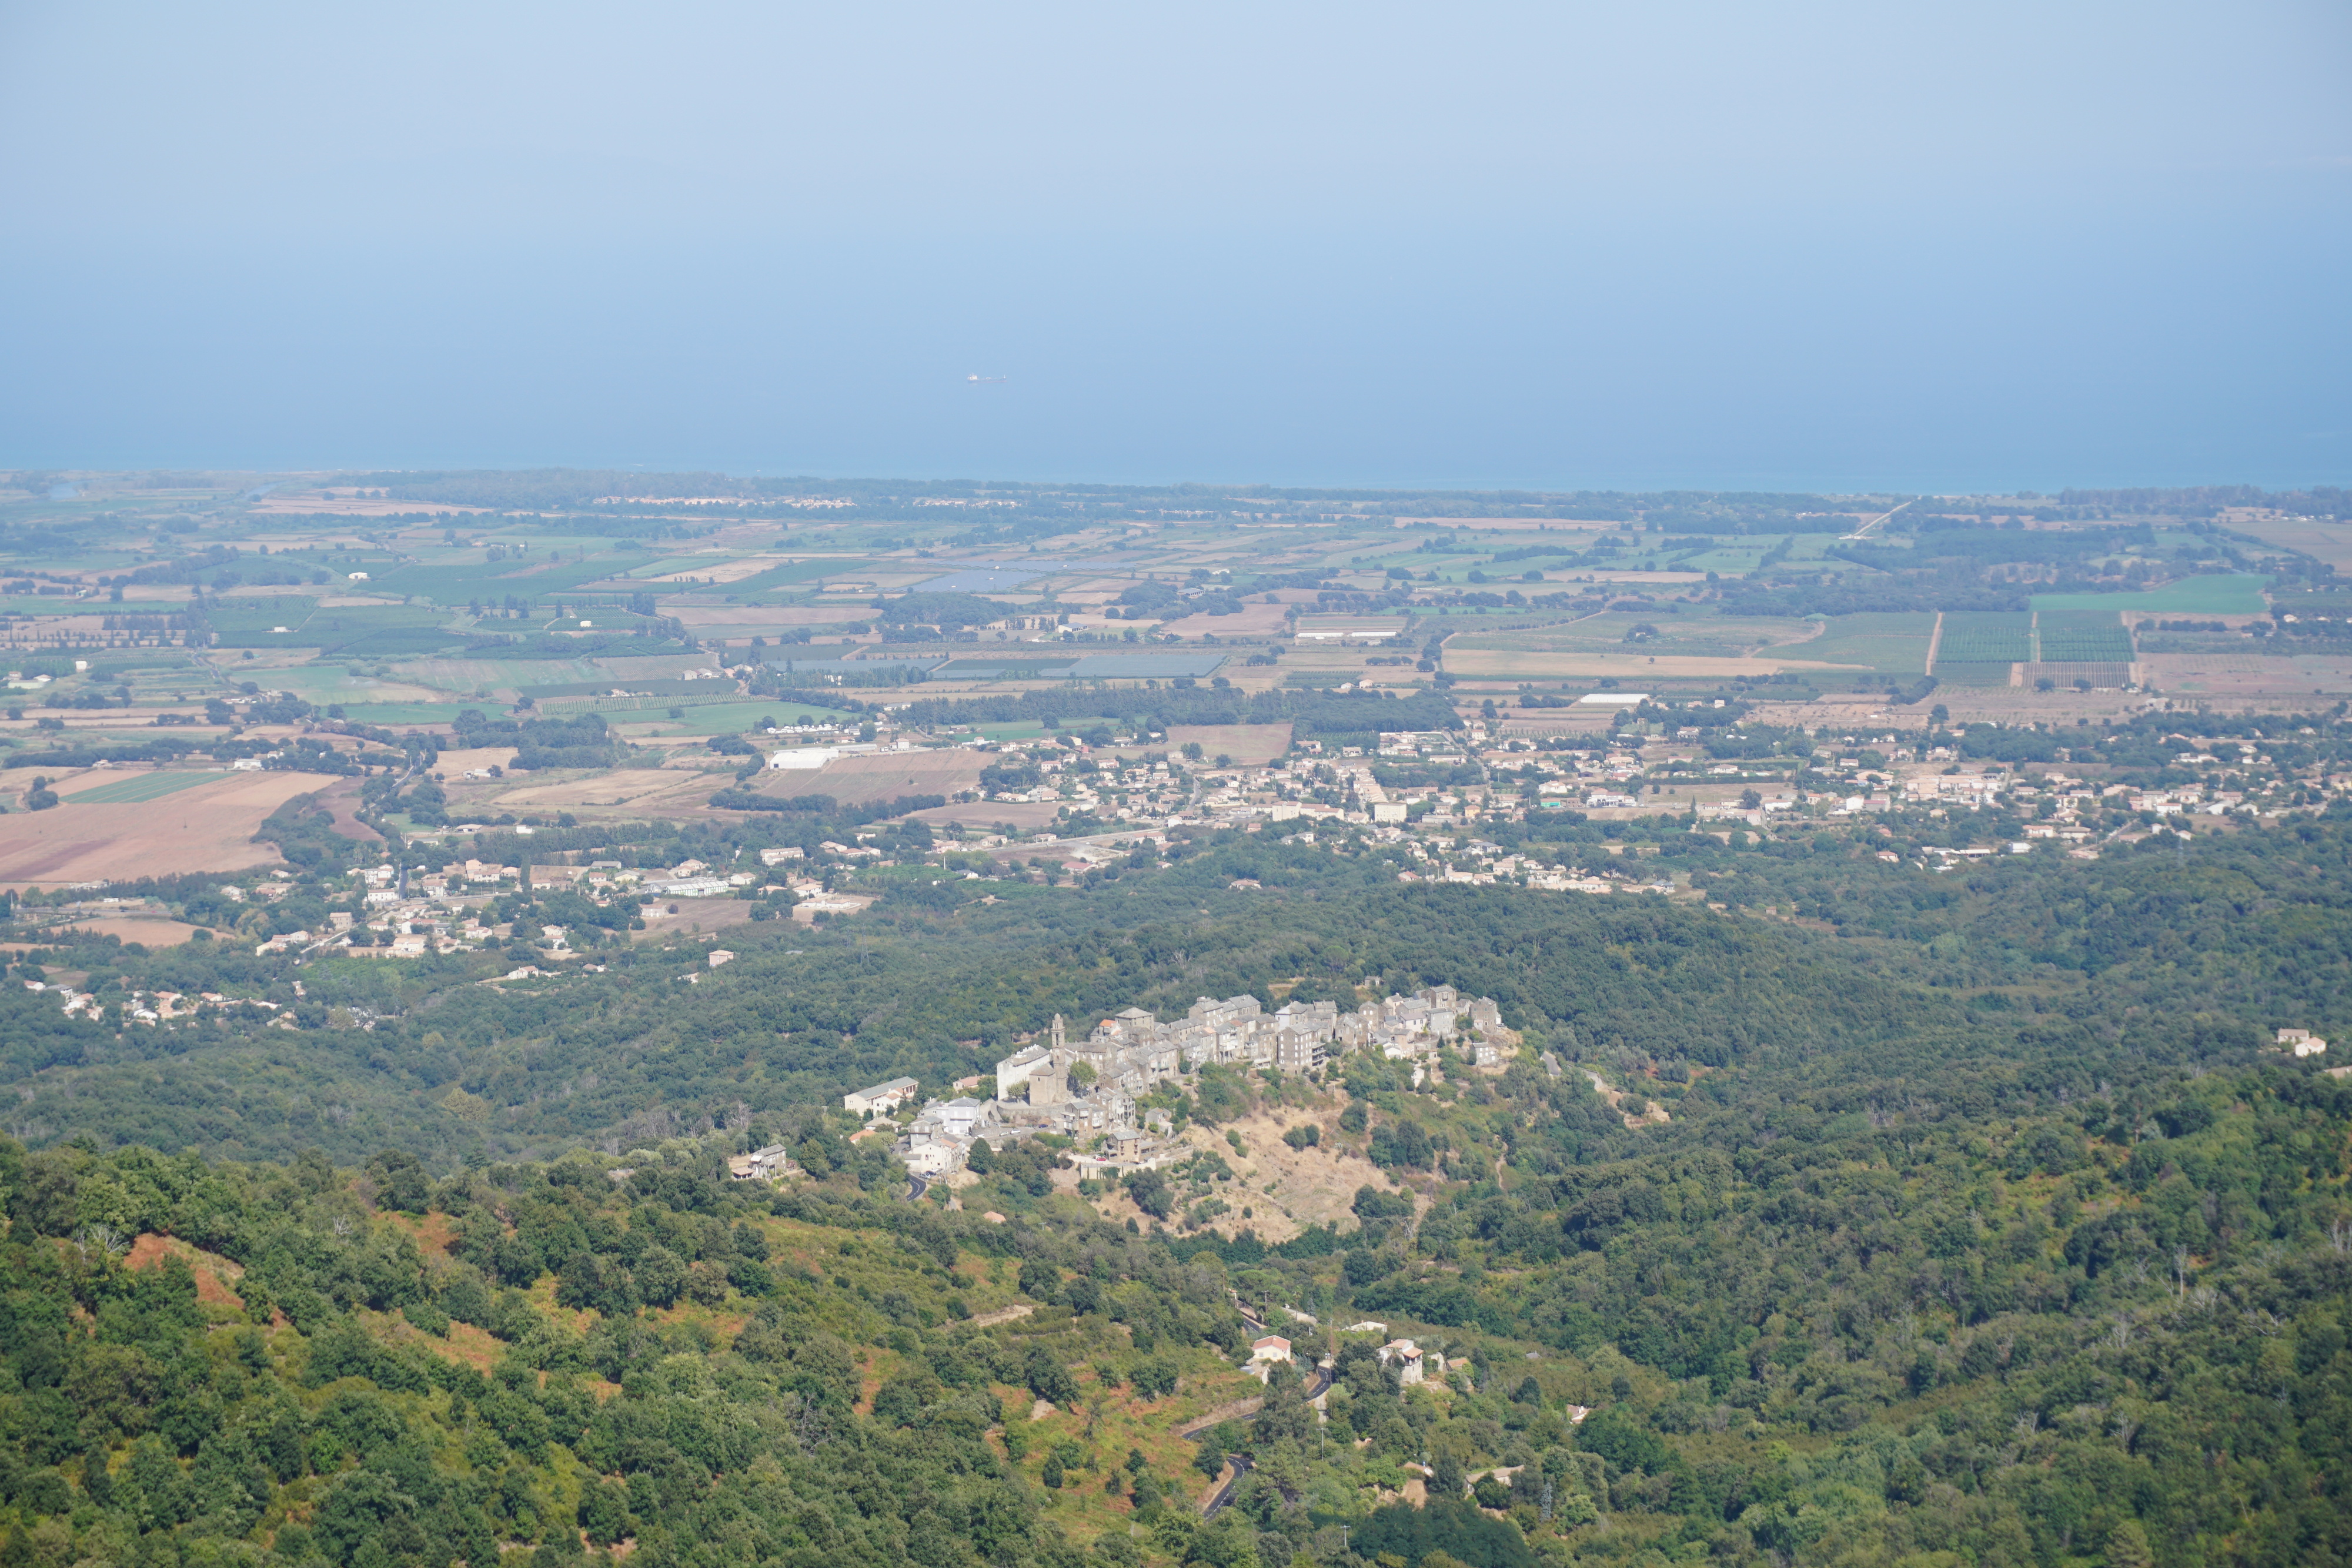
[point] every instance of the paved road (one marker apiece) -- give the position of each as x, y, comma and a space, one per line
1319, 1379
1224, 1493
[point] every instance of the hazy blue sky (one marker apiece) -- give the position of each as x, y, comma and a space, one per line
1797, 245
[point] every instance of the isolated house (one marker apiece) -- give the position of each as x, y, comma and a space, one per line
1405, 1356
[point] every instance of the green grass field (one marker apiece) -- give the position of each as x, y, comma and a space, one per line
1994, 673
1027, 730
795, 573
37, 741
260, 614
465, 674
1699, 636
493, 580
1886, 644
2234, 594
387, 630
1721, 561
652, 705
140, 787
718, 719
326, 683
393, 714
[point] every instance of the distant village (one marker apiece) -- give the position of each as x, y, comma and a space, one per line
1092, 1090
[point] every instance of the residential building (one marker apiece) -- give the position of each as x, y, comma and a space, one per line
881, 1098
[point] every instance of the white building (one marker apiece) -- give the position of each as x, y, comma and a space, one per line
933, 1159
1017, 1068
691, 887
961, 1118
881, 1098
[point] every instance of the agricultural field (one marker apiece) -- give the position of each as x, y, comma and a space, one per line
1249, 745
856, 780
152, 931
204, 826
1696, 636
2322, 540
543, 691
1071, 663
2082, 636
408, 713
2090, 648
470, 674
1726, 557
2235, 676
326, 685
1984, 637
1252, 621
598, 795
1978, 648
375, 631
651, 717
2232, 594
710, 569
105, 789
1334, 628
404, 618
1887, 644
242, 615
1010, 667
1647, 641
991, 816
458, 582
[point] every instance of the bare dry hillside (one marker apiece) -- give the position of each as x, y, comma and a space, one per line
1276, 1190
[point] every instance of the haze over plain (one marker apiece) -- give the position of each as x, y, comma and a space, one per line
1815, 245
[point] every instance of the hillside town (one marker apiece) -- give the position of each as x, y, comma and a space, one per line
1092, 1090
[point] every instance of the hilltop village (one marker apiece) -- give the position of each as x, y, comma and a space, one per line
1093, 1089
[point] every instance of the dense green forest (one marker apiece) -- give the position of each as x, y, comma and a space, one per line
1983, 1229
1812, 1324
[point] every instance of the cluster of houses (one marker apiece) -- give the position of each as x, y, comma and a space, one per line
1091, 1089
1412, 1362
149, 1007
435, 911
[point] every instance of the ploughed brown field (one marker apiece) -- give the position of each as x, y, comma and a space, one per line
885, 776
986, 815
152, 932
1253, 619
207, 827
636, 788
